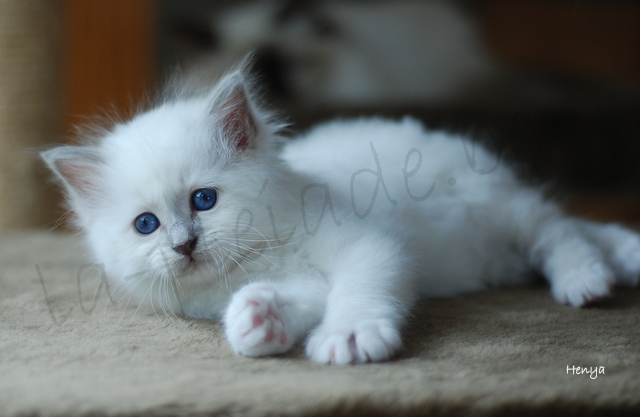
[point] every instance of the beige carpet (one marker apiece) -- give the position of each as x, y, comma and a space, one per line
504, 352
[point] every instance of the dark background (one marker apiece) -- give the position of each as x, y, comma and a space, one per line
585, 147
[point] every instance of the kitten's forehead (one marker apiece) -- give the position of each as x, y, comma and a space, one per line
165, 132
166, 127
163, 148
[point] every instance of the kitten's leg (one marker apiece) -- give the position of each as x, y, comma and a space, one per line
366, 308
575, 268
580, 259
267, 318
620, 246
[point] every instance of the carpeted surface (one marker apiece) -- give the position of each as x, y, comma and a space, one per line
503, 352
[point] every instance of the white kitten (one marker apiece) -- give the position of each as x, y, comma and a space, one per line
197, 208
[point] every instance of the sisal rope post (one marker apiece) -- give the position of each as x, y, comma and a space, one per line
29, 110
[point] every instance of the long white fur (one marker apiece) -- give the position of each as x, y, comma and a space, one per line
332, 236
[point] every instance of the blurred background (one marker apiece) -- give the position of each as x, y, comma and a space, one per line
552, 85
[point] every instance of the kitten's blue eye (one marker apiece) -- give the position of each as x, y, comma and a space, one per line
204, 199
146, 223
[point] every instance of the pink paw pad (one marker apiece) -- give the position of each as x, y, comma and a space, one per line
256, 326
257, 321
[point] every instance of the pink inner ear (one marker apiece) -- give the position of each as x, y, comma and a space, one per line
238, 126
238, 122
79, 176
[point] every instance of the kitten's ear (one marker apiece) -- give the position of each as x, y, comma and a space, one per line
77, 167
232, 113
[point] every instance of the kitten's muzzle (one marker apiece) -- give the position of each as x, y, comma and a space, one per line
187, 247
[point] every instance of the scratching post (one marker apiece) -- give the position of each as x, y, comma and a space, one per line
29, 109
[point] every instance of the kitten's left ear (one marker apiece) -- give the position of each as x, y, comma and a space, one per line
77, 167
232, 113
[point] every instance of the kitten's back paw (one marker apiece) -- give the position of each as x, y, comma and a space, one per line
576, 266
365, 341
256, 323
622, 247
583, 285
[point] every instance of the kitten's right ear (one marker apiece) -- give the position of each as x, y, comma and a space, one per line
232, 113
77, 167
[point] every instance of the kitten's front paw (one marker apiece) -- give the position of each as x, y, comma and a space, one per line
256, 324
584, 285
366, 341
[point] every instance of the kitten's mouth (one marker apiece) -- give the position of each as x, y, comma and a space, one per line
188, 264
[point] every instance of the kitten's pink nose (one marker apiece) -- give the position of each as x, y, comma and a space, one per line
187, 247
